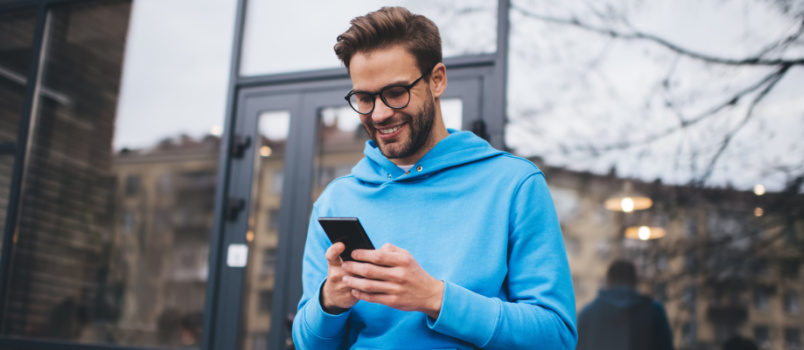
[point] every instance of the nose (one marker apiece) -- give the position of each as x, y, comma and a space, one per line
381, 112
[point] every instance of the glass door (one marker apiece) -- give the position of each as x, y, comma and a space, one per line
295, 139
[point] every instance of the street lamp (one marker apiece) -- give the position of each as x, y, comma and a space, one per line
644, 233
628, 200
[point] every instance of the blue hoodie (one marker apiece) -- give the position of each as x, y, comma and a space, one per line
477, 218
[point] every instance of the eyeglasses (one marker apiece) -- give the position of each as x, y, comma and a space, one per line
394, 96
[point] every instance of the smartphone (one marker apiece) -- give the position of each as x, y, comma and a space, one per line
346, 230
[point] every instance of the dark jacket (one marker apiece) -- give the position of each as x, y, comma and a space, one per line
622, 319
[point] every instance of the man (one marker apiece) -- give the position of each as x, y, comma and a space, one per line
622, 319
471, 253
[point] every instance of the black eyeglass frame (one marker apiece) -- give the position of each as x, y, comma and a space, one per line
380, 93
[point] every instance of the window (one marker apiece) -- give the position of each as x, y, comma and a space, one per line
273, 220
277, 181
259, 341
660, 292
790, 268
690, 262
724, 331
762, 335
17, 30
690, 227
689, 298
112, 84
661, 262
790, 302
759, 267
6, 167
165, 183
132, 185
265, 300
467, 27
268, 262
688, 336
792, 338
761, 298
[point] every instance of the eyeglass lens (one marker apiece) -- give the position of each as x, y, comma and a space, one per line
394, 97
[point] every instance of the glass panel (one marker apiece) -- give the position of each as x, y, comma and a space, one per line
263, 228
467, 27
452, 112
340, 144
117, 205
6, 168
16, 38
680, 150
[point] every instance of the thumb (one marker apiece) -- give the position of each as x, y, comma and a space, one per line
334, 252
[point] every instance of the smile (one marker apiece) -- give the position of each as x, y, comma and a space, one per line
389, 130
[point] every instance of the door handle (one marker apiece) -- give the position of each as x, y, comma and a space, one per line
239, 145
233, 208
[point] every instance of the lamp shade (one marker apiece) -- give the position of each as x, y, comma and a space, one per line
644, 233
628, 200
628, 204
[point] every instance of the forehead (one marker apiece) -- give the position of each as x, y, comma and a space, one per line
373, 70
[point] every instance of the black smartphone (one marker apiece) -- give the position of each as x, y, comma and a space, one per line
346, 230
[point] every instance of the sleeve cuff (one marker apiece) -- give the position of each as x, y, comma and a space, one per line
322, 323
466, 315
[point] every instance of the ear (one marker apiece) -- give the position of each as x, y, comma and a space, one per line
438, 80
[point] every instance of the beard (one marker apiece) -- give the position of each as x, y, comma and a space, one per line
420, 128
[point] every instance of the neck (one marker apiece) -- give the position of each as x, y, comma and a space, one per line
438, 133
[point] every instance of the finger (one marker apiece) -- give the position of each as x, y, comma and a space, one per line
334, 252
370, 286
389, 300
392, 248
369, 270
382, 257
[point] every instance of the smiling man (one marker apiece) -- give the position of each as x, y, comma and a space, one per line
471, 253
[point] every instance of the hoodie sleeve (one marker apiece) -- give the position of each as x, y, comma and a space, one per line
541, 304
314, 328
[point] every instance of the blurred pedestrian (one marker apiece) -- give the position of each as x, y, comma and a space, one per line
622, 319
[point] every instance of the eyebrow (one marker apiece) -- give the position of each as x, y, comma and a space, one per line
396, 83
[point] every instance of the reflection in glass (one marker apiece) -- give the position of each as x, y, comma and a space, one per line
16, 38
340, 143
595, 110
113, 237
6, 167
466, 27
263, 228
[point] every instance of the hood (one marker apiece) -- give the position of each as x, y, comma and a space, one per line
620, 297
460, 147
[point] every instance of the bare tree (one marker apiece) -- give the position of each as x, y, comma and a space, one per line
607, 92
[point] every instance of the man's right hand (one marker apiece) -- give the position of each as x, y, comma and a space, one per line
336, 297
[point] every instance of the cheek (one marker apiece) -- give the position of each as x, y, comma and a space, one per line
365, 120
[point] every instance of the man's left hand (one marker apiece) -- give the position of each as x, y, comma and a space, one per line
392, 277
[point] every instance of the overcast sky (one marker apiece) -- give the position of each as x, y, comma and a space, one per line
178, 58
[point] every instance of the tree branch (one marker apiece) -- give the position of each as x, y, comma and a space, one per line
731, 101
756, 60
748, 114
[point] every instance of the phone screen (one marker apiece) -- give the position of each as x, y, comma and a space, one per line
346, 230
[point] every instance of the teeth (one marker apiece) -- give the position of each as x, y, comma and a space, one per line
389, 131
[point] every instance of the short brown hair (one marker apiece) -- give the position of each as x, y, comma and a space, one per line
390, 26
